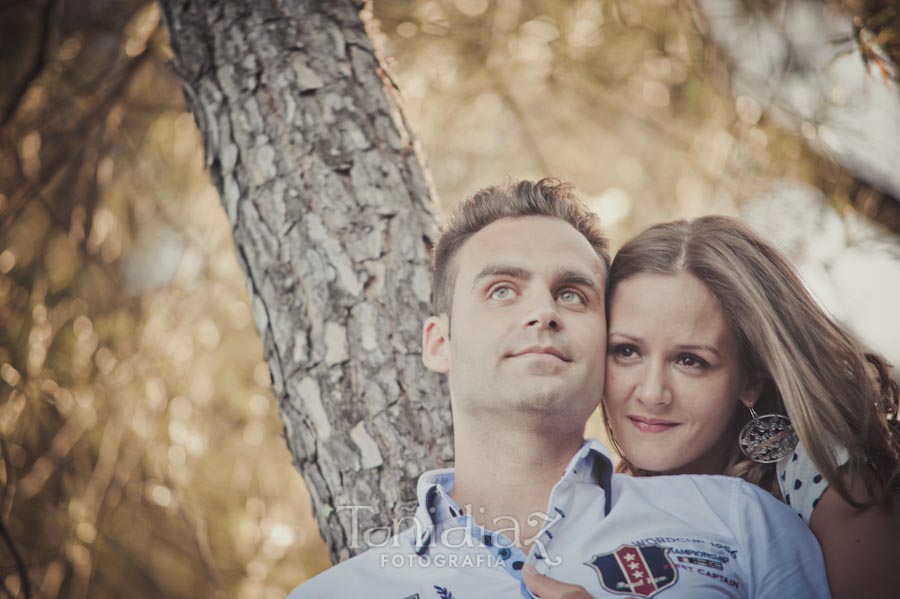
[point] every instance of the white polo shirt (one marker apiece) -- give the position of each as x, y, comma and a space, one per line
671, 537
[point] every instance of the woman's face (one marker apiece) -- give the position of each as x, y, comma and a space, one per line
674, 381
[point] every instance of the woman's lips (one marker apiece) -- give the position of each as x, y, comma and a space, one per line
651, 425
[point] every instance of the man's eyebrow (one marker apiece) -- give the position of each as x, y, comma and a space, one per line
571, 277
501, 270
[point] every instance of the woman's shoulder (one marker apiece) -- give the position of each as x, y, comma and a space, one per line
800, 481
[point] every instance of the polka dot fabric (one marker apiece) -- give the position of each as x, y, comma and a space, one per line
801, 483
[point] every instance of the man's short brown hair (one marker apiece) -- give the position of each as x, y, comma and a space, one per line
547, 197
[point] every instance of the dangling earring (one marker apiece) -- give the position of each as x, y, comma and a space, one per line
767, 439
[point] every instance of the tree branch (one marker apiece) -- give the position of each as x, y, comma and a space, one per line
128, 558
20, 563
20, 199
9, 489
19, 88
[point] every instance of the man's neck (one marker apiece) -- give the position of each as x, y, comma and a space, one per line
503, 478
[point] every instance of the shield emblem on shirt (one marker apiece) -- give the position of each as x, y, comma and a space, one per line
639, 571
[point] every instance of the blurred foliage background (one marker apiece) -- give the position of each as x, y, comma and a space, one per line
142, 452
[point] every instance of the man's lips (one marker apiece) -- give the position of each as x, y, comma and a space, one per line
652, 425
546, 350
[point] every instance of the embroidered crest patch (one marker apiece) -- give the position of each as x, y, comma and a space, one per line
629, 570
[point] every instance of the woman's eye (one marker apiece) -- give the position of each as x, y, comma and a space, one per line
625, 351
691, 361
501, 293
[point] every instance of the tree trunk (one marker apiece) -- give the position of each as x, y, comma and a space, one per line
331, 210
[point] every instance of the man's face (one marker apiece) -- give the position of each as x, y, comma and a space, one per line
527, 334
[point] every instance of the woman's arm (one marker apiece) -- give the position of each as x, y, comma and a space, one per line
861, 547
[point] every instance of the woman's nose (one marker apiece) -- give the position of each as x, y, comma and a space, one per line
653, 390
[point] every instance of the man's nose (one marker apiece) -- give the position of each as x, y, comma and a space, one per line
543, 314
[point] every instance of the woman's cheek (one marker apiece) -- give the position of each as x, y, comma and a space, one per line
614, 389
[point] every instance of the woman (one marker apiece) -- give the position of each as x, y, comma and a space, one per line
719, 360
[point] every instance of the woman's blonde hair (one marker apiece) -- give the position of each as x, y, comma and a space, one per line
817, 374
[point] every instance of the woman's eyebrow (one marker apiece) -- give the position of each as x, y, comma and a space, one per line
624, 336
682, 347
698, 346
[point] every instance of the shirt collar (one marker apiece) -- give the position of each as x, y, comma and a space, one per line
590, 464
435, 505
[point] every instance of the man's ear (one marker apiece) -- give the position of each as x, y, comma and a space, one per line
436, 343
751, 390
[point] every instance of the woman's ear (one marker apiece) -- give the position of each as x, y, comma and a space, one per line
436, 343
751, 390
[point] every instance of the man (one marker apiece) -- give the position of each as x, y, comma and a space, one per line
520, 330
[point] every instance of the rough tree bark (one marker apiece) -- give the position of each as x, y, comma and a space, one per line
331, 211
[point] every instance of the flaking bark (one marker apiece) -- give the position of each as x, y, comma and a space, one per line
331, 213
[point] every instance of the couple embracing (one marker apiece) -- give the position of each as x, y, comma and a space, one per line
706, 355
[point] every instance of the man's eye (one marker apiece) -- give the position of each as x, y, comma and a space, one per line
501, 293
570, 297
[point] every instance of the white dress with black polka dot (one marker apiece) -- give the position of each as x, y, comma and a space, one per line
801, 483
